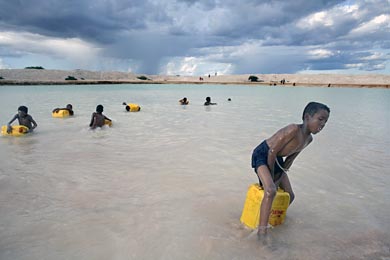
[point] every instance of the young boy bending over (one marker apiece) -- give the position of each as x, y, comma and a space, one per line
288, 142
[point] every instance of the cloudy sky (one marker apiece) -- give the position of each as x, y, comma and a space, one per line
197, 37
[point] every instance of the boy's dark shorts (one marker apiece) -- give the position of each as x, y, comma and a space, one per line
260, 157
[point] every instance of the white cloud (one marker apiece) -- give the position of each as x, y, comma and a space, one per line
193, 66
320, 53
318, 19
381, 22
374, 56
349, 9
29, 43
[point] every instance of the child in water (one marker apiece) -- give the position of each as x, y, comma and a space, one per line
69, 107
24, 119
98, 118
267, 158
184, 101
208, 102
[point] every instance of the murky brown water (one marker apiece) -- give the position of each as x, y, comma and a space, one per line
170, 182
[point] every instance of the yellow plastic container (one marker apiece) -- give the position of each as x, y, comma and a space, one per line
251, 212
60, 113
108, 122
17, 130
133, 107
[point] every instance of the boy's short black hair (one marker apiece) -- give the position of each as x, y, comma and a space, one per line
23, 109
314, 107
99, 109
208, 99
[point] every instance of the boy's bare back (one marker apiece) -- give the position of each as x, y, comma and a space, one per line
98, 120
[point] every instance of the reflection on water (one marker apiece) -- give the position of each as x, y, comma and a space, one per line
170, 181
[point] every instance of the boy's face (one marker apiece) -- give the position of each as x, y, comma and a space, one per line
317, 121
21, 113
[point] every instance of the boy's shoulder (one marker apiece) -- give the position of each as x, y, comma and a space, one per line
291, 127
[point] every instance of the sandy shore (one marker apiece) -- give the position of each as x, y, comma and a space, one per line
52, 77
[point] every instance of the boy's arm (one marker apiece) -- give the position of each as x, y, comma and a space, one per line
13, 119
9, 128
92, 120
289, 160
34, 124
107, 118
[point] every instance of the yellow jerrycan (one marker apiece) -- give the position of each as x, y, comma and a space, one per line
107, 122
17, 130
132, 107
60, 113
251, 212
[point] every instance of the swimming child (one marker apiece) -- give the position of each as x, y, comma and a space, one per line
24, 119
208, 102
131, 107
98, 118
184, 101
288, 142
68, 107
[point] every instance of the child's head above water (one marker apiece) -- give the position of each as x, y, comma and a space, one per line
69, 106
23, 109
208, 99
314, 107
99, 109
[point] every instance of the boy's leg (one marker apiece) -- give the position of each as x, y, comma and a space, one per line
286, 186
269, 194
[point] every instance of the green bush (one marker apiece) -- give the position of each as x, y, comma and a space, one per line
70, 78
34, 68
253, 78
142, 78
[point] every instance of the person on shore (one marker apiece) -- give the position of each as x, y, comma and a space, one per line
68, 107
184, 101
24, 119
208, 102
98, 119
267, 157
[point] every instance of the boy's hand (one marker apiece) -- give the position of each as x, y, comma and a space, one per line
9, 129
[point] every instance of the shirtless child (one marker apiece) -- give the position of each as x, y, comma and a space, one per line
288, 142
98, 118
24, 119
68, 107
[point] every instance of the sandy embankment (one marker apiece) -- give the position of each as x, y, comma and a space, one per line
33, 77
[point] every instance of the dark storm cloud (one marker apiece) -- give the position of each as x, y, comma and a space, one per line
100, 21
149, 31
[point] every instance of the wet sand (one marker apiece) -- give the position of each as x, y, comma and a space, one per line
57, 77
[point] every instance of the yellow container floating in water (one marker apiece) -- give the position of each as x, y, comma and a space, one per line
61, 113
108, 122
251, 212
17, 130
133, 107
